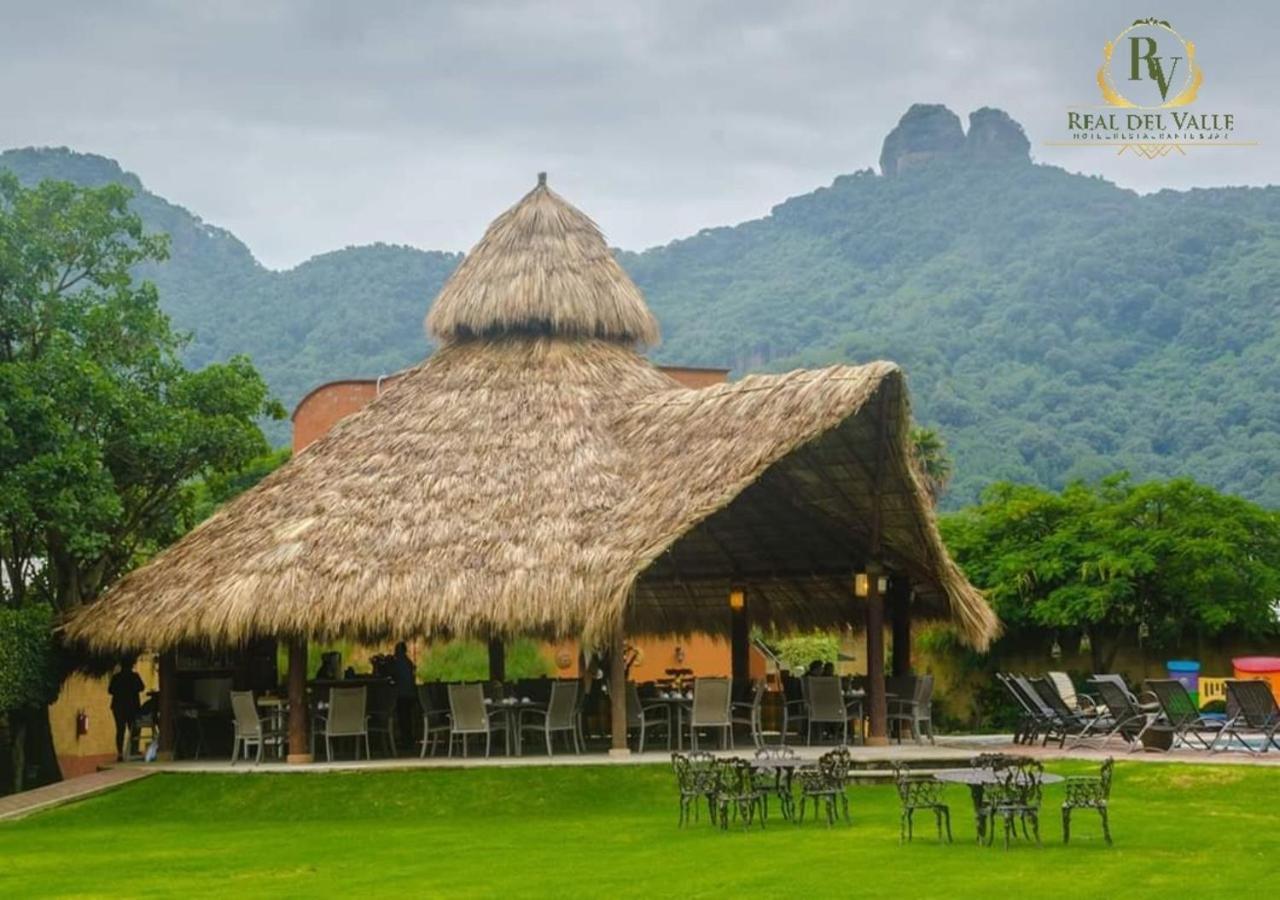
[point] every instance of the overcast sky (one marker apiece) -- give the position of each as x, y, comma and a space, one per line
307, 126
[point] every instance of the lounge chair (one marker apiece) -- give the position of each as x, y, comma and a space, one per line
469, 716
1030, 719
1256, 714
346, 719
711, 700
1125, 718
918, 791
561, 715
251, 727
1064, 722
1088, 792
916, 711
826, 706
1183, 716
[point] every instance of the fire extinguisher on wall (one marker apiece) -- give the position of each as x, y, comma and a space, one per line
82, 723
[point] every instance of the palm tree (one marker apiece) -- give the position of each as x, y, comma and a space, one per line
933, 464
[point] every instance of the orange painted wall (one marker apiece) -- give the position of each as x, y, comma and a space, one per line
82, 754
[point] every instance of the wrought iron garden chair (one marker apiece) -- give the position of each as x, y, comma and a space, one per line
1256, 714
736, 794
1015, 798
696, 780
1088, 792
1183, 716
826, 783
915, 792
776, 780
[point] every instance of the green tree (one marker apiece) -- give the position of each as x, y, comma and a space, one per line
103, 431
929, 451
1115, 560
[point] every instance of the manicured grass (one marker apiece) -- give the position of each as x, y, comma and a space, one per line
1186, 831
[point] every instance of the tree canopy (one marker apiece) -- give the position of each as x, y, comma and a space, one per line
102, 427
1115, 560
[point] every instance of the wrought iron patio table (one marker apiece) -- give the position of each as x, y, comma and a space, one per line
978, 781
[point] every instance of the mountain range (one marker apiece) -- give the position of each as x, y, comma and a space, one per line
1052, 325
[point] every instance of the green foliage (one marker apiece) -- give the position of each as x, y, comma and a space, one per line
102, 427
28, 661
469, 661
1111, 558
798, 650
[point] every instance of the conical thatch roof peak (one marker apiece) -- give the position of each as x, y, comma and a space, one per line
542, 268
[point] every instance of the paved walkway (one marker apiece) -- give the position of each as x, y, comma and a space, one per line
15, 806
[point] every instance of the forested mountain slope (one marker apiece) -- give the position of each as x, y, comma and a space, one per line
1052, 325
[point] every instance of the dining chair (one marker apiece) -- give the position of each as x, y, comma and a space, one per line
711, 709
251, 727
469, 716
435, 721
560, 715
826, 706
645, 717
346, 719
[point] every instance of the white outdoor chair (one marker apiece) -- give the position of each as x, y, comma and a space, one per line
469, 716
826, 706
561, 715
251, 727
346, 719
642, 717
435, 722
711, 709
916, 711
748, 713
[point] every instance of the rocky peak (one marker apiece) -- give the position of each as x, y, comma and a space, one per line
931, 131
993, 135
926, 132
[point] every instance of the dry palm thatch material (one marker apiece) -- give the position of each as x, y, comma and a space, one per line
536, 475
542, 267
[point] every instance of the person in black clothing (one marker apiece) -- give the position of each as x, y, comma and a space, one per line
404, 672
126, 689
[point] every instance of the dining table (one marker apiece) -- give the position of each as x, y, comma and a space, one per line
512, 709
978, 780
676, 703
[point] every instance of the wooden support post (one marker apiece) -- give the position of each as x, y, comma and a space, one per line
900, 617
497, 660
739, 637
618, 693
877, 708
299, 715
168, 706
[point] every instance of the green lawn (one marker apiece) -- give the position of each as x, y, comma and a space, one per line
570, 832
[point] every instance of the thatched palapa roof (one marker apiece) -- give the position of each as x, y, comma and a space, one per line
537, 475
